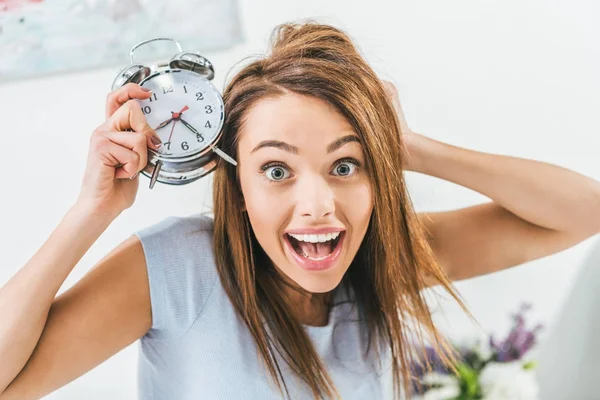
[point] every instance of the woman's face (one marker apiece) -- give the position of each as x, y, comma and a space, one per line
302, 171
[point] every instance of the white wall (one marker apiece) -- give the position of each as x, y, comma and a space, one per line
507, 77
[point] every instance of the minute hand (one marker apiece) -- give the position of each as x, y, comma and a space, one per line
190, 127
215, 149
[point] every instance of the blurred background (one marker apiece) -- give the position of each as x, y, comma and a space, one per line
513, 77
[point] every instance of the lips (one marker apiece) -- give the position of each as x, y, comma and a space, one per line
316, 265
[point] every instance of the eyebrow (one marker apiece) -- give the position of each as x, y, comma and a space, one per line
333, 146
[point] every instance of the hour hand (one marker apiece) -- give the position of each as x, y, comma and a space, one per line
163, 124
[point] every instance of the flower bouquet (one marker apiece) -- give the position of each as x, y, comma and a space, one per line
497, 371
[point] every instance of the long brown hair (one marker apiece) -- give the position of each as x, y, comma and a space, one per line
389, 269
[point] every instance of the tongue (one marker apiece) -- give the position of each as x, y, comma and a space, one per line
316, 250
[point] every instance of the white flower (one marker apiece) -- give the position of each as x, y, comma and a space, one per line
508, 381
449, 387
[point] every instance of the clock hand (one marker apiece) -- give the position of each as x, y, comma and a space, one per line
220, 152
178, 114
174, 115
164, 123
172, 129
190, 127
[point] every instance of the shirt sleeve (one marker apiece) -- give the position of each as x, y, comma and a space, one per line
181, 272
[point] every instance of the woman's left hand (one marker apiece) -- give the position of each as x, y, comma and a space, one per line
410, 139
392, 93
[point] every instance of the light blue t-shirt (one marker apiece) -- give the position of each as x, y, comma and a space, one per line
198, 347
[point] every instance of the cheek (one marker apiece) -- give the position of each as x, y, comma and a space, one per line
357, 203
261, 202
264, 208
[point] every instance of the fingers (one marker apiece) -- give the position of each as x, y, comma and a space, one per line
131, 117
112, 150
136, 142
392, 93
127, 159
390, 88
118, 97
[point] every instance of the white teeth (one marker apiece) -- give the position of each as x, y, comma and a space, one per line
316, 259
322, 238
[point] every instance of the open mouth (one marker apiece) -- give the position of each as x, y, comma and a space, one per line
314, 247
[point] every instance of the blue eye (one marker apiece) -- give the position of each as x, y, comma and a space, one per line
274, 172
277, 172
348, 166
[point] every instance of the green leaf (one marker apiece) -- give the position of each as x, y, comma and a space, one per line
530, 365
469, 382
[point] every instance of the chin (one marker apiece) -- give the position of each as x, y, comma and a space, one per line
322, 284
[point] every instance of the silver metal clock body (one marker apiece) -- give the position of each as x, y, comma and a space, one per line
185, 110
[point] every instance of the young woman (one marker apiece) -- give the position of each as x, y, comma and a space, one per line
308, 281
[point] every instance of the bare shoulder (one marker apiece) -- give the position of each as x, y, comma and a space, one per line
104, 312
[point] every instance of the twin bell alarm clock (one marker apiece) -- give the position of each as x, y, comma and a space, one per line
185, 110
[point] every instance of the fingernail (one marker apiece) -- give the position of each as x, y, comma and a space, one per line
145, 89
135, 175
156, 141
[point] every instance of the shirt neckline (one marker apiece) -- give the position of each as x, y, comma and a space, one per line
339, 300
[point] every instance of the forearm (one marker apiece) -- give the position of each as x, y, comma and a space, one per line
25, 300
538, 192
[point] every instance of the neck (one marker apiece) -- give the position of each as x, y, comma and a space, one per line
309, 308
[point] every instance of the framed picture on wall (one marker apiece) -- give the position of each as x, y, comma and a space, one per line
39, 37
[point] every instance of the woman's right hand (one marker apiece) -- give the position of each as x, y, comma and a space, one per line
118, 151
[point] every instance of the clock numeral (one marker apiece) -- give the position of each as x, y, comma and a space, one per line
209, 109
185, 146
184, 89
200, 138
182, 177
146, 110
168, 144
199, 96
207, 125
153, 95
167, 89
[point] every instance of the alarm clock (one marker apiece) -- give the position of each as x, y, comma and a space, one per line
185, 110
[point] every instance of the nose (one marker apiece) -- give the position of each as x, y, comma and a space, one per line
315, 198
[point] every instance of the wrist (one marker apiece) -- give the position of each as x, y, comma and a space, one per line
96, 217
417, 148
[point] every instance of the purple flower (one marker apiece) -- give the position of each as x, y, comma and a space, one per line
518, 341
419, 368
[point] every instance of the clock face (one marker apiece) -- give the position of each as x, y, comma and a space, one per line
185, 110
